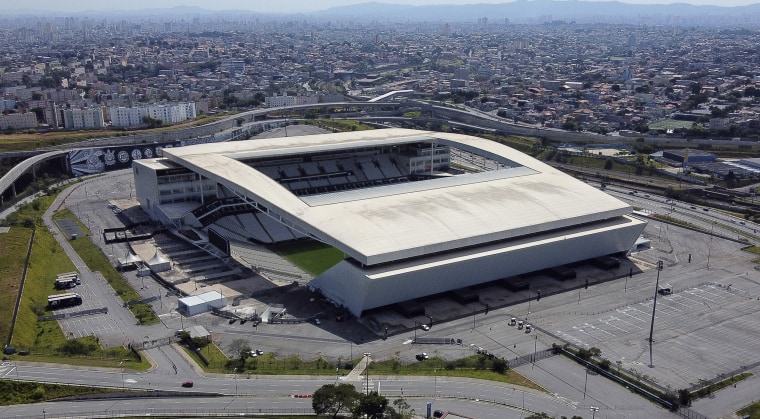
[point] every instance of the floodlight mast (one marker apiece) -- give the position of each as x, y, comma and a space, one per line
654, 307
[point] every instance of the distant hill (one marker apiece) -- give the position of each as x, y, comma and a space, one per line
546, 10
519, 11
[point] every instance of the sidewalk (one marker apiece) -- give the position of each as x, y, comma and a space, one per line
356, 373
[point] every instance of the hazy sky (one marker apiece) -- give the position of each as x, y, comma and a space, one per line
265, 6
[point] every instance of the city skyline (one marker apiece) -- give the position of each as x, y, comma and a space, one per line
304, 6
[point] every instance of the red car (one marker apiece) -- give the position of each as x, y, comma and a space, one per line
187, 384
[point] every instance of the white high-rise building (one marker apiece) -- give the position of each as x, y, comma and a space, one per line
167, 112
83, 118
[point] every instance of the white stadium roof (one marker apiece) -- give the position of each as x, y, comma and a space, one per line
400, 221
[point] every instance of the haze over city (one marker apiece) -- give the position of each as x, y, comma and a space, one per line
296, 6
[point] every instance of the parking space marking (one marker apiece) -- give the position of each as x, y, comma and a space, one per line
569, 337
581, 330
599, 329
609, 322
642, 315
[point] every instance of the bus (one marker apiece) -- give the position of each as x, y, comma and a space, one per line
64, 283
67, 280
64, 300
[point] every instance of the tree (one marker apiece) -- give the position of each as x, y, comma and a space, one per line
730, 178
332, 399
499, 366
404, 410
240, 347
373, 405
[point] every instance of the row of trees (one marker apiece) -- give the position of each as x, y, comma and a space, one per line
343, 399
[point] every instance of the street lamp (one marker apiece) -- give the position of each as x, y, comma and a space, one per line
709, 246
654, 306
235, 376
530, 297
121, 364
593, 410
585, 384
366, 373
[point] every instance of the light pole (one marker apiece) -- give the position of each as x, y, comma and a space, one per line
593, 410
121, 364
336, 374
366, 373
535, 349
654, 307
530, 297
235, 376
709, 246
585, 384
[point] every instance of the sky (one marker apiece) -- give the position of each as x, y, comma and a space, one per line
268, 6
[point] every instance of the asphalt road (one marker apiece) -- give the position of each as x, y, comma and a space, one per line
705, 329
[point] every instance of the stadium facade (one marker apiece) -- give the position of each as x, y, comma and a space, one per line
415, 213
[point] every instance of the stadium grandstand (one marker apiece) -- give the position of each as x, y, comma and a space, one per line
415, 213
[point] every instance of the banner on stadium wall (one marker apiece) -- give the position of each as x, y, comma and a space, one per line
98, 160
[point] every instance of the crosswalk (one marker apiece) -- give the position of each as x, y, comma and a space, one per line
6, 369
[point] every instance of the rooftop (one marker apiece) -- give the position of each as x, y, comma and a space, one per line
401, 221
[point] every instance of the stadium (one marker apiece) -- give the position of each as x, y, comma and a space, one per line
415, 213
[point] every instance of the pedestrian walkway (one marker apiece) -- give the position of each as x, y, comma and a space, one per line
356, 373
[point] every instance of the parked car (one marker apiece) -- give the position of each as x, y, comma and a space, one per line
187, 384
424, 327
528, 328
438, 413
423, 356
665, 291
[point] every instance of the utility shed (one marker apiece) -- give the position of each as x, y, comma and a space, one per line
201, 303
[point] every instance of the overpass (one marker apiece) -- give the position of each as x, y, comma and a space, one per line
456, 115
8, 181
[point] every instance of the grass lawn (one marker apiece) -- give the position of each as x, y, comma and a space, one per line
17, 392
670, 124
310, 255
13, 246
43, 338
340, 124
476, 366
754, 250
34, 141
753, 411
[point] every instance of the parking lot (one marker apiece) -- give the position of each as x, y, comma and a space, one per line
705, 328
